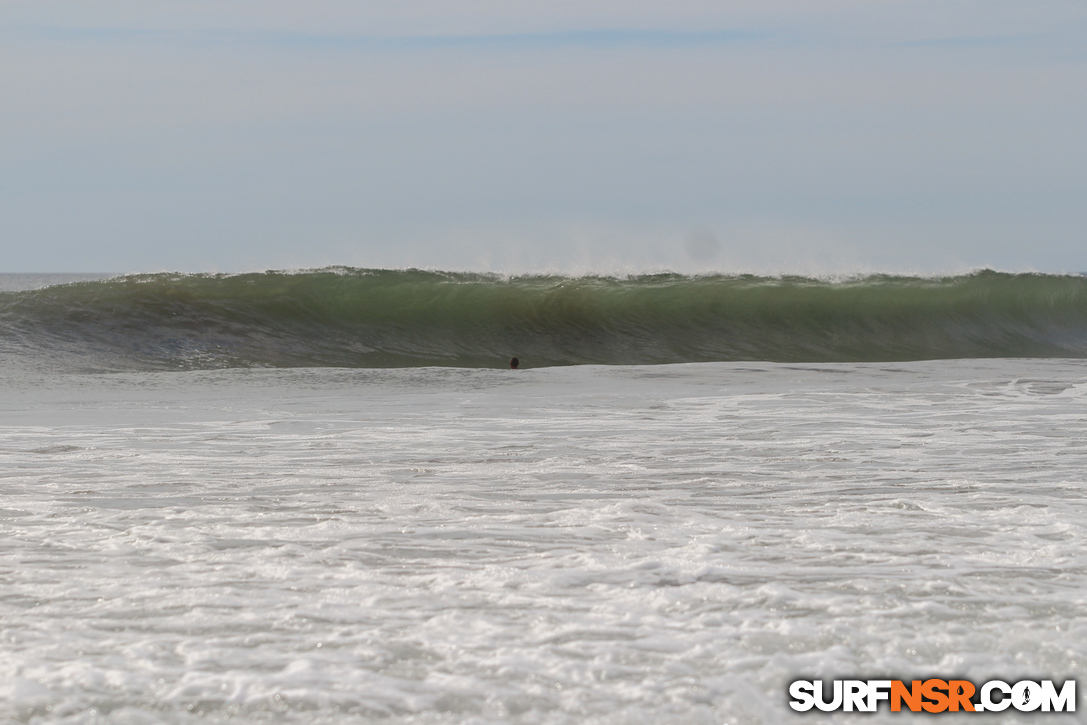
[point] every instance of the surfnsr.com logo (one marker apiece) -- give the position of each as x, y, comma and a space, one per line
933, 696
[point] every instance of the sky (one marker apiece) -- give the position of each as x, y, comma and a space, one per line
838, 137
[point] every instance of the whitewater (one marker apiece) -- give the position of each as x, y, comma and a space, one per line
238, 533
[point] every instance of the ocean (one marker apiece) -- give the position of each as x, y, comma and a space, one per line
320, 497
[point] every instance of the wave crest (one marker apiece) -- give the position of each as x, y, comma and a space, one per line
392, 318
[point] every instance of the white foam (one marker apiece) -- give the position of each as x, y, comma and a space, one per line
665, 544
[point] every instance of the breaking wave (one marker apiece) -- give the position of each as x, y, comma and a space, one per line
393, 318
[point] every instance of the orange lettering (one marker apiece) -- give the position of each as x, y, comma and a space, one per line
931, 691
912, 696
960, 692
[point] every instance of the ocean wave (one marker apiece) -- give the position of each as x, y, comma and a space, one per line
392, 318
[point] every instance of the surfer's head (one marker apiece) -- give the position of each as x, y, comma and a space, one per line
514, 363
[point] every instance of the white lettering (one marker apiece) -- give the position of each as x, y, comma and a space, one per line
803, 694
1063, 702
878, 690
833, 704
987, 701
1026, 696
856, 695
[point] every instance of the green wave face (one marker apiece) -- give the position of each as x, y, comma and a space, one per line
391, 318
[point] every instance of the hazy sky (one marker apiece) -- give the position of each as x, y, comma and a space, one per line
765, 136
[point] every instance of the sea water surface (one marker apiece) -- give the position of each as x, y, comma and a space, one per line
583, 544
310, 497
